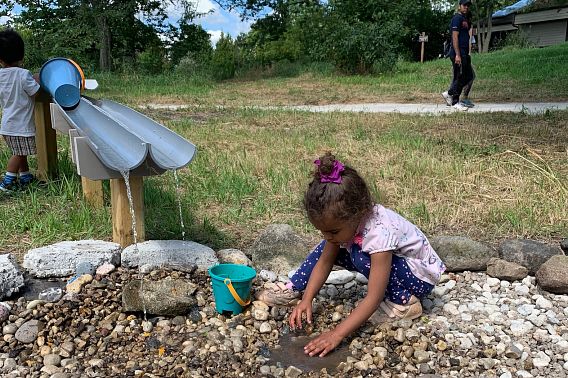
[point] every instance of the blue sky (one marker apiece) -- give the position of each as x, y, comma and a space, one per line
217, 22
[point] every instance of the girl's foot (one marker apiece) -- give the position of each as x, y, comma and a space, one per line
389, 311
278, 294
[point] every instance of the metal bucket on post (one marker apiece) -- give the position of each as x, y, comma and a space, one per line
64, 80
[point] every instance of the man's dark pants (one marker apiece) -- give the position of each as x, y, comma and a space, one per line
463, 73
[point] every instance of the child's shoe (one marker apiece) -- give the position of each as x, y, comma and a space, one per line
26, 180
8, 184
389, 311
278, 294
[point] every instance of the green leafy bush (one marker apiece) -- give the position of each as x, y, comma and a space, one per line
151, 61
224, 59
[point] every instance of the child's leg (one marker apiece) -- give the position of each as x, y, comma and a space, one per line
403, 284
13, 164
24, 167
300, 279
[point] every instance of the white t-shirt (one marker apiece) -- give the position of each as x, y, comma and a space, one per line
17, 86
386, 230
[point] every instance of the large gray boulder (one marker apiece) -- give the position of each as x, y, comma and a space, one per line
173, 254
460, 253
279, 249
61, 259
165, 297
11, 278
528, 253
506, 270
553, 275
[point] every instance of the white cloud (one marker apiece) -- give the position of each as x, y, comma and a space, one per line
215, 36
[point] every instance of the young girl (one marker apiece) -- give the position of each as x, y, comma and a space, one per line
362, 236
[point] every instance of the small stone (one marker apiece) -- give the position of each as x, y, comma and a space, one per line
265, 370
292, 372
336, 316
541, 360
267, 275
33, 304
76, 283
4, 312
147, 326
265, 327
52, 359
361, 365
27, 333
105, 269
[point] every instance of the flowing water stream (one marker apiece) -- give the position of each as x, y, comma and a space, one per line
178, 197
126, 176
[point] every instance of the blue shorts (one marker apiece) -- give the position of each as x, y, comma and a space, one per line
402, 282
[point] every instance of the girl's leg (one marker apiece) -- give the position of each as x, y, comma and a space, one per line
300, 278
403, 284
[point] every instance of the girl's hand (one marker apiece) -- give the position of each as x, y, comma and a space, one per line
324, 343
296, 316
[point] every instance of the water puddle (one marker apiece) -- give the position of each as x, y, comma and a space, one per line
34, 286
291, 352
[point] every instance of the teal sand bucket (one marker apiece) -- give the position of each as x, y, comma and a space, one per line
62, 79
231, 286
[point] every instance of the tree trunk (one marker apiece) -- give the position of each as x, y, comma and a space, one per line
105, 60
479, 36
488, 32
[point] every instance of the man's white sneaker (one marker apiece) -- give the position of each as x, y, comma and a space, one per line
448, 98
460, 106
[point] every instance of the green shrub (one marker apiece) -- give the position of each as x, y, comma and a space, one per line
224, 59
357, 47
151, 61
515, 40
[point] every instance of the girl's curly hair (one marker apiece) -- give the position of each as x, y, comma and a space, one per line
349, 200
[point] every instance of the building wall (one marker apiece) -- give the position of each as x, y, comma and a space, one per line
546, 33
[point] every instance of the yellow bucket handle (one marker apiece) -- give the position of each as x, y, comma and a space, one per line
234, 293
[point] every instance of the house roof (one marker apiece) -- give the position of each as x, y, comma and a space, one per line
513, 8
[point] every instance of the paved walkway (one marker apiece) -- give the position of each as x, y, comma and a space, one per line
528, 107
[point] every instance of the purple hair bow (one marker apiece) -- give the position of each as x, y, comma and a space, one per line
335, 174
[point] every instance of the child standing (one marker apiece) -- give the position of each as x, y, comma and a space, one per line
362, 236
17, 90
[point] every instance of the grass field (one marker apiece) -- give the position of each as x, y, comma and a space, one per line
487, 176
532, 75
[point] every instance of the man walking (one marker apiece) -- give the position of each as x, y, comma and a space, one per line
459, 54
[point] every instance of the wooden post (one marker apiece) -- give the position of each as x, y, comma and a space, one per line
121, 218
93, 192
423, 38
46, 140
